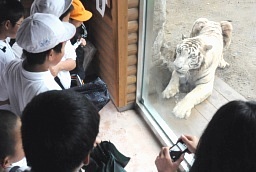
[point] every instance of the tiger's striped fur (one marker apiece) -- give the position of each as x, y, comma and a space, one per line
196, 60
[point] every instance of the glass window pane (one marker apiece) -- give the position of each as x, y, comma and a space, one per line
166, 22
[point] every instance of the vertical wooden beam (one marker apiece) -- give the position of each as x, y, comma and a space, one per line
122, 44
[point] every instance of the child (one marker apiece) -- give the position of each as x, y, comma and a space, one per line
77, 17
54, 7
68, 61
59, 129
79, 14
11, 17
11, 150
42, 37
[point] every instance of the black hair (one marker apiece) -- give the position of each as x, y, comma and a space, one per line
71, 8
39, 58
8, 122
11, 10
228, 143
58, 130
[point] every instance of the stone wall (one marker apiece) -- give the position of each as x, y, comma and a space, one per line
160, 65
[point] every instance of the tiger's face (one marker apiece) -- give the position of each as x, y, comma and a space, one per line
189, 56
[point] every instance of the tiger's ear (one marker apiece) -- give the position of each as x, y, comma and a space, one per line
207, 47
183, 37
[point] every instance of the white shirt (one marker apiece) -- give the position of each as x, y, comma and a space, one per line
6, 54
64, 75
21, 86
17, 50
22, 164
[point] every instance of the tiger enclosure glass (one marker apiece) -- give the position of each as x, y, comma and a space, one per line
168, 31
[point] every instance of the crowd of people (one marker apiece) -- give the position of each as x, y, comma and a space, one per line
46, 127
39, 61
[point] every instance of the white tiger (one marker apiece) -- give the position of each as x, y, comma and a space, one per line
196, 61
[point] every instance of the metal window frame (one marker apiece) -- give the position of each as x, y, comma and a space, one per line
161, 130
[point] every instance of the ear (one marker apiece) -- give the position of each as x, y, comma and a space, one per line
5, 163
183, 37
7, 24
50, 55
207, 47
87, 160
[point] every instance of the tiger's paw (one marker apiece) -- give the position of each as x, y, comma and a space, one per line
167, 93
182, 110
223, 64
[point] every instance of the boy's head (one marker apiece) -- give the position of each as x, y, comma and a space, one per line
11, 17
41, 33
10, 139
66, 16
58, 131
55, 7
79, 14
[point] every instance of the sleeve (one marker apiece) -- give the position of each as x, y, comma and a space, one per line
17, 50
70, 52
3, 94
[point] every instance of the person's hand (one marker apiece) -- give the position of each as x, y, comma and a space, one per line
54, 70
190, 141
97, 141
83, 42
164, 162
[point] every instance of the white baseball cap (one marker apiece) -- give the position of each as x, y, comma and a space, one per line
41, 32
55, 7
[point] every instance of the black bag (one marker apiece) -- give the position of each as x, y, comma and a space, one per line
96, 91
85, 54
89, 51
106, 158
14, 169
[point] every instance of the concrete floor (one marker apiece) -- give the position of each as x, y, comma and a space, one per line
131, 136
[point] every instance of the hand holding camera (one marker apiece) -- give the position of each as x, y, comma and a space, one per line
177, 150
185, 143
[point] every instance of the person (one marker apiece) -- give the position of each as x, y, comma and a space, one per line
79, 14
61, 9
11, 17
11, 150
59, 129
68, 61
42, 37
228, 144
77, 17
56, 8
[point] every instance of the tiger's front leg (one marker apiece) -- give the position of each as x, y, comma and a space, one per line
223, 63
173, 86
196, 96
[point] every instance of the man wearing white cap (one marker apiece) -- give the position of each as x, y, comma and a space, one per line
43, 38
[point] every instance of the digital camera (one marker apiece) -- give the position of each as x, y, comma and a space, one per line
177, 150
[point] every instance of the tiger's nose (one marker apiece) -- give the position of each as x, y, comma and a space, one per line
178, 66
